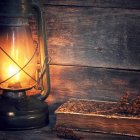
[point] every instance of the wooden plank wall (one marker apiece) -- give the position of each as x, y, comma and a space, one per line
95, 48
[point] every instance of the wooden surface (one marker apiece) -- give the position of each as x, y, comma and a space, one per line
98, 37
94, 47
46, 134
96, 3
94, 50
91, 83
37, 134
94, 116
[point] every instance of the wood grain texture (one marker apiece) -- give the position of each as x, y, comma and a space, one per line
91, 83
97, 3
35, 134
98, 37
102, 124
69, 116
47, 134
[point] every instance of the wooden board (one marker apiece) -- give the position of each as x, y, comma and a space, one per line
91, 83
97, 3
98, 37
47, 133
73, 114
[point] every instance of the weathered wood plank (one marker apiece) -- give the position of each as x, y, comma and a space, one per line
85, 116
46, 133
96, 37
35, 134
91, 83
99, 136
97, 3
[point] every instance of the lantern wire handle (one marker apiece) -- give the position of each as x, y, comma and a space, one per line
21, 68
46, 60
43, 66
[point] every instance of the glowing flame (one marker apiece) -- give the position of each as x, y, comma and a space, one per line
11, 70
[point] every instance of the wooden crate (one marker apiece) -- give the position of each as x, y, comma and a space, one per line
77, 114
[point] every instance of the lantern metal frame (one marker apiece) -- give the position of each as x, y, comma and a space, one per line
19, 111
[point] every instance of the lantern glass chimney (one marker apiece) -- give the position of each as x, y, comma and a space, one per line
18, 58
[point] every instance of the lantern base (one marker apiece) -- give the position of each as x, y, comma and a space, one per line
23, 113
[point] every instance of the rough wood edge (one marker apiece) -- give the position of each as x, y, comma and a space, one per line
100, 132
125, 4
86, 114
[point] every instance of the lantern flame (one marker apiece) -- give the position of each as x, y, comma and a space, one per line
12, 71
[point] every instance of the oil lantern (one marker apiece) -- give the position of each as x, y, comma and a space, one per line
23, 66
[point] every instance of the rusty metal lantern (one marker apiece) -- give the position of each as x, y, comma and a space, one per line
23, 66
